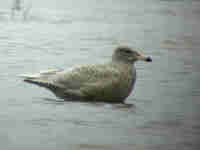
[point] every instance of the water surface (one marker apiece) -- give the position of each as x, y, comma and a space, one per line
162, 112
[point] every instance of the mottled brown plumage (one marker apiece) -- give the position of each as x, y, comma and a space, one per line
110, 82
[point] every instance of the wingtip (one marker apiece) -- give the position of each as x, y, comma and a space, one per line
28, 76
22, 75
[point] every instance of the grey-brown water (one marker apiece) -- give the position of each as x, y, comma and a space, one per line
162, 112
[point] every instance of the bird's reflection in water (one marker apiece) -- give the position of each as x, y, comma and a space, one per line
121, 106
53, 101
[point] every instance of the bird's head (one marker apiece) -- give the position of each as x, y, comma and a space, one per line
128, 55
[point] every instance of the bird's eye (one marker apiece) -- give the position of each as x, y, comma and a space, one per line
137, 54
127, 51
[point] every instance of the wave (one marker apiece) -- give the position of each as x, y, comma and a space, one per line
36, 15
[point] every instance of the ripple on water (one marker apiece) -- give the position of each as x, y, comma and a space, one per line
94, 146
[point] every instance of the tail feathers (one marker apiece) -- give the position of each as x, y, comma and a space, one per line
30, 76
44, 84
41, 79
39, 82
40, 74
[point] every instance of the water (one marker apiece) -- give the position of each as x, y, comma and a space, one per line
162, 112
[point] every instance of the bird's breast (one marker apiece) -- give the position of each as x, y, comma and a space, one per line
126, 82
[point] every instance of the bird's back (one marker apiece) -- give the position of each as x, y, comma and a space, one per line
76, 77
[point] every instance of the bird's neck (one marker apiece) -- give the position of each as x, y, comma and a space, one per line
123, 65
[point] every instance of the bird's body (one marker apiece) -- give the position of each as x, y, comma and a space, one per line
110, 82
